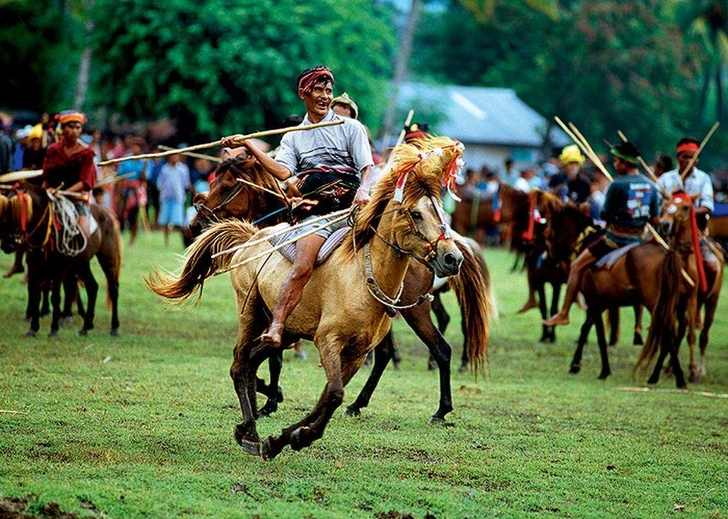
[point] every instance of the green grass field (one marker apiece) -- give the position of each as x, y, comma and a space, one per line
142, 424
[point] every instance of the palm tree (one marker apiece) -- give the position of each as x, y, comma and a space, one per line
709, 19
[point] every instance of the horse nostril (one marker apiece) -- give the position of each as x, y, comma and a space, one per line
450, 259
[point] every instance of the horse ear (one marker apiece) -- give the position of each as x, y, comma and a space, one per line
199, 198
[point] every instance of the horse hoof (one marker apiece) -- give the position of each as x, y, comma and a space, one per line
252, 448
352, 411
31, 333
297, 438
435, 420
268, 409
65, 321
603, 376
431, 365
652, 381
463, 368
53, 335
114, 332
267, 452
638, 340
575, 368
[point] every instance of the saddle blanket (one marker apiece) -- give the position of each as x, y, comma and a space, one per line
720, 210
329, 246
607, 261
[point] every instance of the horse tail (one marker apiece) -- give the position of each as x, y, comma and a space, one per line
663, 327
200, 263
473, 290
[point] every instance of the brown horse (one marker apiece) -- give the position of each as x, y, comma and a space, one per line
30, 218
650, 275
566, 230
343, 309
229, 197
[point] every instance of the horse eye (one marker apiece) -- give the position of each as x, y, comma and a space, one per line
416, 215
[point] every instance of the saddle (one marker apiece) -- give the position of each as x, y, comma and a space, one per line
608, 260
329, 246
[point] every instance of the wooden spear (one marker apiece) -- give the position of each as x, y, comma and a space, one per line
695, 157
239, 139
598, 163
191, 154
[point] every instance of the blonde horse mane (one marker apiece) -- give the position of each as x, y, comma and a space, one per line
427, 166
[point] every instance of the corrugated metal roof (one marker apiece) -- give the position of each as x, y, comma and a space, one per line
482, 115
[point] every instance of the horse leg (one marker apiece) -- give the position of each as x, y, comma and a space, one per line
56, 307
710, 306
443, 320
556, 286
273, 391
540, 287
464, 360
34, 296
45, 306
613, 315
92, 290
383, 353
639, 311
70, 293
419, 320
241, 371
110, 267
583, 336
691, 319
311, 428
601, 339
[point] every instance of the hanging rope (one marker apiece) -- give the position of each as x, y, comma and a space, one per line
70, 240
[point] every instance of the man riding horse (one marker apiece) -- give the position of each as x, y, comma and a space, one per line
328, 161
632, 201
69, 164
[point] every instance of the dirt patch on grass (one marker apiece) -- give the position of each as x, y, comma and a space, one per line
29, 507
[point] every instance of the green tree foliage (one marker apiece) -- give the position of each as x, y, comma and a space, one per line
224, 66
37, 55
608, 65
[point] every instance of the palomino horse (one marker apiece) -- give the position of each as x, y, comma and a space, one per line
340, 309
30, 218
243, 190
649, 275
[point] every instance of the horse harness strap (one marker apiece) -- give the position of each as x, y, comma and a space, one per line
390, 304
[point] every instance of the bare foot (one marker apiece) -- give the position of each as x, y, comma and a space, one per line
556, 320
274, 335
14, 269
531, 303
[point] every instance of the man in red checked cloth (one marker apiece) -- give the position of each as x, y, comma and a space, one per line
333, 167
69, 164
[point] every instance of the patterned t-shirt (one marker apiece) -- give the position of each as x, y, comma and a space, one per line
345, 146
631, 201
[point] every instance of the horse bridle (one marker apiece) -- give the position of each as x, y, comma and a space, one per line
430, 245
392, 304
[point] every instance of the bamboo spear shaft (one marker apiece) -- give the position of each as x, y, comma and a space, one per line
261, 188
590, 153
191, 154
239, 139
281, 245
695, 157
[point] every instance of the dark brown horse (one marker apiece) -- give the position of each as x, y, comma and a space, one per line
29, 218
231, 198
